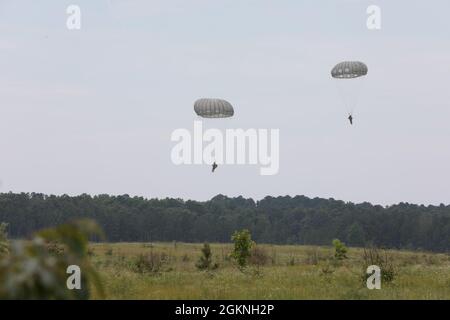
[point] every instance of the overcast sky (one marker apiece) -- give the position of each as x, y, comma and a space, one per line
92, 111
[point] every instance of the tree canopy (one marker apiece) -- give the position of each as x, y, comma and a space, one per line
278, 220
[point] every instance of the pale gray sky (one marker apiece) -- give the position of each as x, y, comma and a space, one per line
91, 111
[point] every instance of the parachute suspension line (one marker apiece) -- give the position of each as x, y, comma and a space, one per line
350, 91
345, 96
359, 89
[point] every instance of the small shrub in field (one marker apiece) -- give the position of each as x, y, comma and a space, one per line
109, 252
150, 263
242, 246
4, 246
340, 250
380, 258
258, 256
205, 260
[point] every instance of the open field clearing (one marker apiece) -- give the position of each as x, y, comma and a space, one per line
168, 271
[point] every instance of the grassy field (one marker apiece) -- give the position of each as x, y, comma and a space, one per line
168, 271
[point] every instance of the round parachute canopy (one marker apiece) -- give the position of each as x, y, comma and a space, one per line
213, 108
349, 70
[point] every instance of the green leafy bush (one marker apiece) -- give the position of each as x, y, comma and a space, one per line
37, 270
242, 247
340, 250
205, 261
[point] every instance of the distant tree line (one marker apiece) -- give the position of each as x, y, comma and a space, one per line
280, 220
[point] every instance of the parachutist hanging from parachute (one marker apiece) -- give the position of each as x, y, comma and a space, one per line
349, 75
213, 108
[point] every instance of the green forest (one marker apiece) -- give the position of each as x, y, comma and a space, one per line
274, 220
